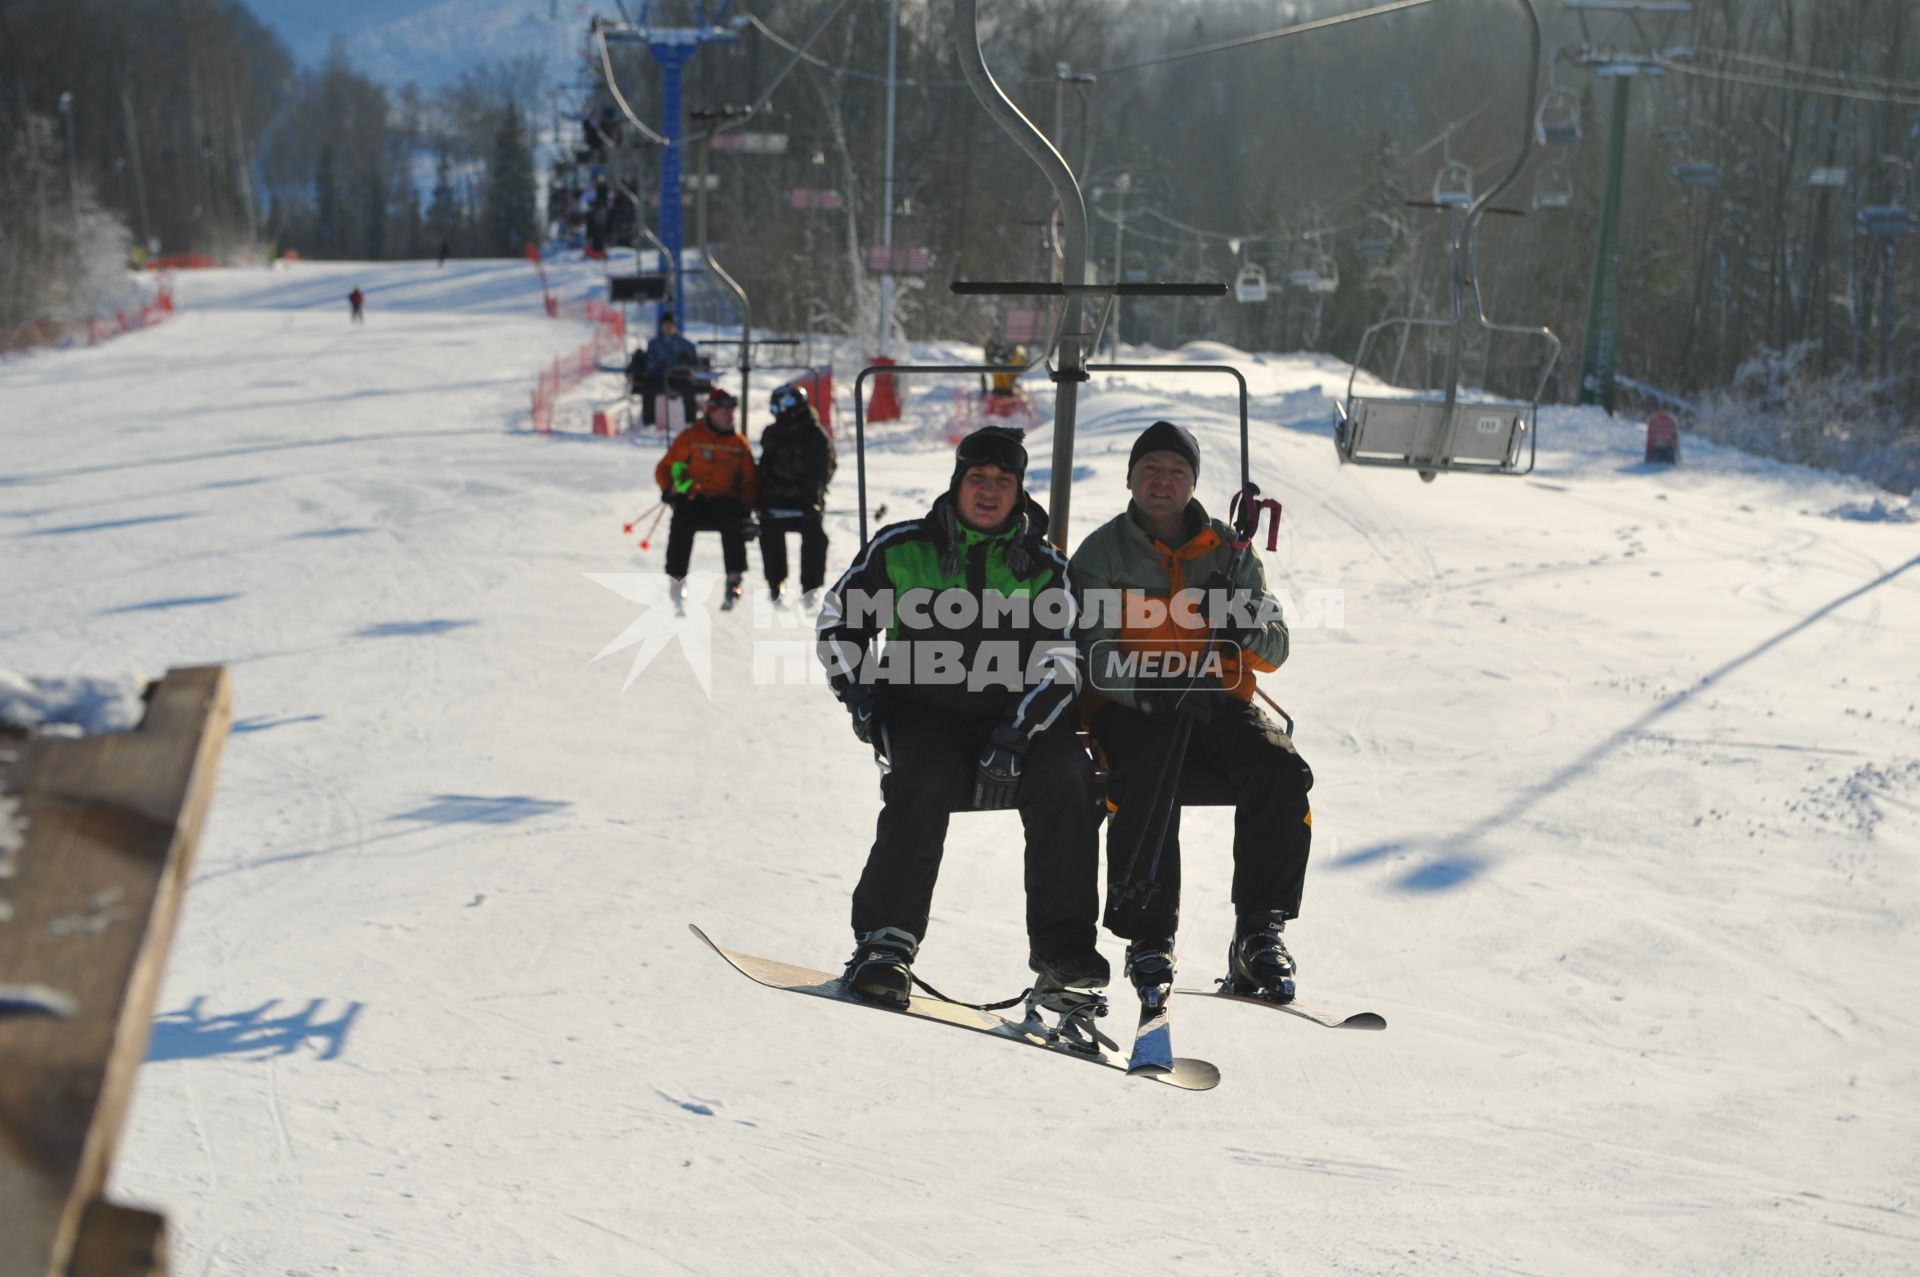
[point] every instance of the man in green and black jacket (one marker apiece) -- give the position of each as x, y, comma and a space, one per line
971, 705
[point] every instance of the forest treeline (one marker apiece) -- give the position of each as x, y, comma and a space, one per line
190, 130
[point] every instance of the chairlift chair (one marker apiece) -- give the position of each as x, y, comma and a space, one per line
1886, 220
1250, 285
1453, 184
1696, 173
1558, 121
1553, 186
1327, 275
1370, 249
1433, 430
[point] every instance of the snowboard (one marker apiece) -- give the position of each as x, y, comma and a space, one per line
1357, 1020
1185, 1074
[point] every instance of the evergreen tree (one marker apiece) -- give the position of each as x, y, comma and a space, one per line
374, 215
329, 239
511, 208
443, 210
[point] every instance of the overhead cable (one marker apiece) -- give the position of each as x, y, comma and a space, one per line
1223, 46
1817, 90
1802, 68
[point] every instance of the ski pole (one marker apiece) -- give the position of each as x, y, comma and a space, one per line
628, 525
646, 538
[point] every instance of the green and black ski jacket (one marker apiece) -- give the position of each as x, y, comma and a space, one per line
980, 625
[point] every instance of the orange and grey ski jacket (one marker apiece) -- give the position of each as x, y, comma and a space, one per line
1126, 581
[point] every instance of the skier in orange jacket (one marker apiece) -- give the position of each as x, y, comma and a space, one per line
708, 478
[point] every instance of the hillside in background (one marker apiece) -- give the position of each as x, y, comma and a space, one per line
429, 42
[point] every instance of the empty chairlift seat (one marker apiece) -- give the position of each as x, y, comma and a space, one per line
1250, 285
1453, 184
1701, 173
1553, 186
1425, 433
1416, 424
1558, 122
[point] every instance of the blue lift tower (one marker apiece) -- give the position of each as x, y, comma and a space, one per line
672, 47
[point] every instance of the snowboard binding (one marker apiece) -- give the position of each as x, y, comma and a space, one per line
1075, 1011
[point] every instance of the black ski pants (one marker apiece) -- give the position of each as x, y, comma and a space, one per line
724, 515
678, 381
774, 526
934, 756
1240, 757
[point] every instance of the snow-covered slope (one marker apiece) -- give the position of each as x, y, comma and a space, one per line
1615, 822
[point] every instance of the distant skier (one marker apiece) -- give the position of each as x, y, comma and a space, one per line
1159, 547
971, 706
357, 299
796, 463
1003, 352
707, 476
669, 364
446, 251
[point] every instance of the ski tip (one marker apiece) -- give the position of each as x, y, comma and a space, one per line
695, 928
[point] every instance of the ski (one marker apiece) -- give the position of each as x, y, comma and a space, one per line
1357, 1020
1074, 1037
1153, 1039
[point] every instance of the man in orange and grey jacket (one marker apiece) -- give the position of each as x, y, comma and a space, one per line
1148, 581
707, 476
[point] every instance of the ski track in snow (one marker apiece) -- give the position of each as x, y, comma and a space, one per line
1617, 817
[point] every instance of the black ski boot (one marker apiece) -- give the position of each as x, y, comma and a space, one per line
881, 968
1150, 964
1258, 964
677, 591
1069, 967
733, 592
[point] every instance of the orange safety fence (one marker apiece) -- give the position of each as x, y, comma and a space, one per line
567, 371
181, 261
98, 328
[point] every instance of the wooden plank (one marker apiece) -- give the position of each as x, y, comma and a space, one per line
112, 825
116, 1241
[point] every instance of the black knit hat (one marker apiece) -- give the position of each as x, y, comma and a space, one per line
990, 446
1164, 436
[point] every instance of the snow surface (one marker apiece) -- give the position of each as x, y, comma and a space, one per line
1617, 821
79, 706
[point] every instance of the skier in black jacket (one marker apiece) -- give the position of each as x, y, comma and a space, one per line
796, 463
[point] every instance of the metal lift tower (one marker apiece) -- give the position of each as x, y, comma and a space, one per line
1620, 60
672, 47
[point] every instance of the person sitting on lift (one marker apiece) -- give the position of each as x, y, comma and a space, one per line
1138, 615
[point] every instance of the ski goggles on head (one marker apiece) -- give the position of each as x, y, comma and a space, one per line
785, 399
991, 446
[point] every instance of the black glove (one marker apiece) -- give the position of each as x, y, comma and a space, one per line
1168, 697
749, 529
674, 497
867, 707
996, 784
1221, 589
